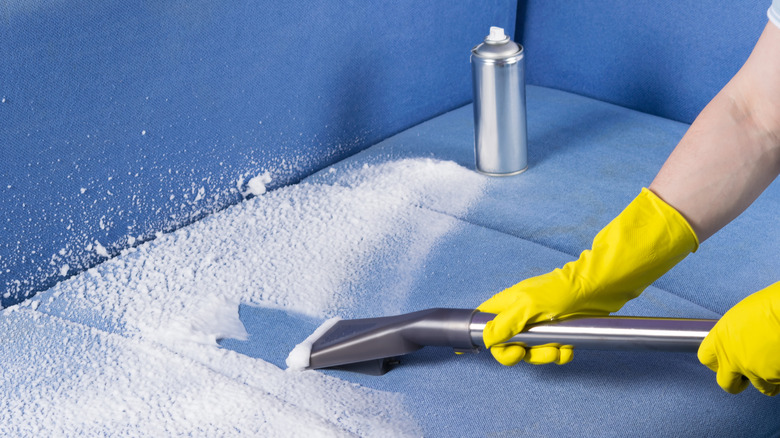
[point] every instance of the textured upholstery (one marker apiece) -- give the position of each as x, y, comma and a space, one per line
121, 120
663, 58
588, 159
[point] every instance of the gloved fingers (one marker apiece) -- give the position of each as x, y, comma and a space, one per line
706, 353
498, 302
513, 296
731, 382
505, 325
508, 322
566, 354
508, 354
512, 354
767, 388
544, 354
493, 334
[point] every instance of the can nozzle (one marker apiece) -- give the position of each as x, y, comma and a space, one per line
496, 35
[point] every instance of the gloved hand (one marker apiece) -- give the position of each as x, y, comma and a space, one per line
647, 239
743, 346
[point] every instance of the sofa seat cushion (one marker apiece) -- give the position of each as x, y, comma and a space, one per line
151, 340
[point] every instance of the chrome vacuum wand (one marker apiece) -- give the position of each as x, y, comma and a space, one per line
367, 345
609, 333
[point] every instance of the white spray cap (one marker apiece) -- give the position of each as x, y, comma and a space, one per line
496, 34
497, 45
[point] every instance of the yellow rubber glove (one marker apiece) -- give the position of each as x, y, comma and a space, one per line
641, 244
744, 346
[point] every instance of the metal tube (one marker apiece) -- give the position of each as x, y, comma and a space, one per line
608, 333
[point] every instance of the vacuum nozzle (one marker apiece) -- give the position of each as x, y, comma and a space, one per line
370, 342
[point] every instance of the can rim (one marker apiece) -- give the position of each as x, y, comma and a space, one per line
507, 60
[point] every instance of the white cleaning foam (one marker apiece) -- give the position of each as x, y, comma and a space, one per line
298, 360
136, 353
257, 185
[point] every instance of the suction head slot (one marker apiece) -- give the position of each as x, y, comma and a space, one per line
364, 340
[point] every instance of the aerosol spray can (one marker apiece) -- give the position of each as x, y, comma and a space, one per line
498, 73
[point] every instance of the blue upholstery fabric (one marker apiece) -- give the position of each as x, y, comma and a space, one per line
663, 58
517, 227
121, 120
588, 159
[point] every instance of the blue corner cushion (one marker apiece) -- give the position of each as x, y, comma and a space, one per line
662, 58
120, 121
402, 226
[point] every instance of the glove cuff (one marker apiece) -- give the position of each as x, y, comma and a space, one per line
679, 226
640, 245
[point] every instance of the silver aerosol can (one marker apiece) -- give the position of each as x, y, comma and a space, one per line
498, 73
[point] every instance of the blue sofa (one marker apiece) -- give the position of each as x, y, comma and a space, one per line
172, 169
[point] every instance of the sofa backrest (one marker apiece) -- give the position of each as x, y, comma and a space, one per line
122, 119
667, 58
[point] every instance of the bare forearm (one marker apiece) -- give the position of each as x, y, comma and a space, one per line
719, 168
731, 152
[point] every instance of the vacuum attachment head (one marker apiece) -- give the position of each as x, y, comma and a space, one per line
370, 344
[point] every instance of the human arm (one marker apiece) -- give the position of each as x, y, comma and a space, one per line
726, 159
724, 162
731, 152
